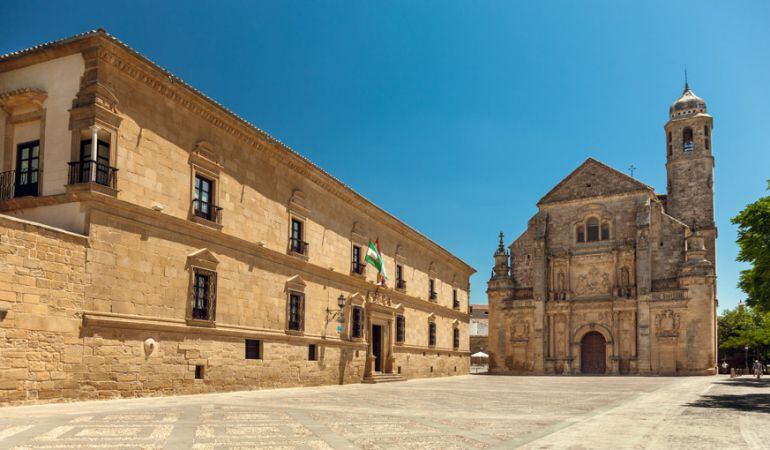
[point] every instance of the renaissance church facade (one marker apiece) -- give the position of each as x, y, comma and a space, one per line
610, 277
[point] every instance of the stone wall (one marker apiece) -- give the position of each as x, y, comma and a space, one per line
42, 285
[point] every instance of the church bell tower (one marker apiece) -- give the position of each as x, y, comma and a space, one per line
690, 167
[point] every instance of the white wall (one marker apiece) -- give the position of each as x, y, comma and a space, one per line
66, 216
60, 79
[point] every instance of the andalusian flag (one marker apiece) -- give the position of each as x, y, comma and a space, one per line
374, 257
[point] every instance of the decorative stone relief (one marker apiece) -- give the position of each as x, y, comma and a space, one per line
593, 282
667, 323
520, 330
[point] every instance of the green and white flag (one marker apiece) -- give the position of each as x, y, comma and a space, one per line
374, 257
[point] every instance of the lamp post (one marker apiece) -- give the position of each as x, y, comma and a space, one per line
336, 313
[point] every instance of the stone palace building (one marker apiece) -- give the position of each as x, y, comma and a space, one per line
153, 242
610, 277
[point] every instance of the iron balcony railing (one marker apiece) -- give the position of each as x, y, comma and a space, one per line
401, 284
7, 184
432, 295
207, 210
357, 267
298, 246
14, 184
92, 172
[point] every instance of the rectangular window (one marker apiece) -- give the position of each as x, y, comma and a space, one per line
432, 289
27, 171
400, 283
312, 355
356, 266
203, 205
400, 329
432, 334
296, 301
456, 340
455, 299
296, 243
605, 232
581, 234
356, 326
252, 349
203, 294
90, 169
198, 372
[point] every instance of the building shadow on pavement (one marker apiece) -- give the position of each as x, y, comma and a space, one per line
746, 382
738, 402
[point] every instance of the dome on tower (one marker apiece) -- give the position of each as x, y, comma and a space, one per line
687, 105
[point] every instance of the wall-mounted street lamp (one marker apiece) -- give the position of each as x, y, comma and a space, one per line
332, 314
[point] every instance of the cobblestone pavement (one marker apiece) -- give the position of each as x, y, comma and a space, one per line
450, 413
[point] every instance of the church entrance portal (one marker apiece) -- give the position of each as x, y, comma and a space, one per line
593, 350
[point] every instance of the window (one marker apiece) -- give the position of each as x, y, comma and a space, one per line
357, 322
90, 169
706, 130
432, 289
707, 139
296, 311
198, 372
203, 294
687, 144
296, 243
27, 170
400, 329
592, 230
668, 143
356, 266
312, 355
605, 231
456, 338
581, 234
432, 334
203, 204
400, 282
252, 349
455, 299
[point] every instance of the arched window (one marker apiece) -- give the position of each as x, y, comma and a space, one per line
592, 230
687, 139
605, 231
581, 233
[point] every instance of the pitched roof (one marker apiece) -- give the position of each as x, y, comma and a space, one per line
593, 179
100, 32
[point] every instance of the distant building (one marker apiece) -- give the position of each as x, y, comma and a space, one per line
610, 277
479, 328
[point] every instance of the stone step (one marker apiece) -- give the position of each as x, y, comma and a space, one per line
383, 378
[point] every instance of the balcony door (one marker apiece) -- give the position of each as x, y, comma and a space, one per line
27, 169
102, 170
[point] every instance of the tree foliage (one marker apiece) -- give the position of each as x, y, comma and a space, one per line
754, 241
744, 327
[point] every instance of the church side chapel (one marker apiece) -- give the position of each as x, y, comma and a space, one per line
610, 277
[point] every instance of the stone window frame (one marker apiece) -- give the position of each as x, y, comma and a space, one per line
400, 260
205, 163
455, 298
297, 211
313, 351
455, 334
295, 286
432, 334
400, 330
581, 228
202, 261
23, 106
357, 301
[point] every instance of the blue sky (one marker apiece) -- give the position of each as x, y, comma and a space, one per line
469, 111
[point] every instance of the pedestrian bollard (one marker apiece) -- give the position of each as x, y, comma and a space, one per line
732, 372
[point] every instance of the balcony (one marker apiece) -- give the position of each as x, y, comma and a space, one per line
401, 284
207, 210
298, 246
14, 184
357, 268
92, 172
432, 295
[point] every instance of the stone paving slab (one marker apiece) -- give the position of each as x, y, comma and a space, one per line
470, 412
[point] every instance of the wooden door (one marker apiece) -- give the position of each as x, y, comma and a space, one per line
593, 352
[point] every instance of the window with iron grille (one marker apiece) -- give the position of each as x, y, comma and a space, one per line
252, 349
312, 355
203, 294
400, 283
357, 322
456, 340
296, 307
400, 329
432, 334
356, 266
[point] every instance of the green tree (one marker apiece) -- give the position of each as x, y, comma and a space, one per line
744, 327
754, 240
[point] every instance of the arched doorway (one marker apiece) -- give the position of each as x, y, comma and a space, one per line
593, 352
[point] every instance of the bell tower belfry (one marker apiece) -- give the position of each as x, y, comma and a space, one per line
690, 167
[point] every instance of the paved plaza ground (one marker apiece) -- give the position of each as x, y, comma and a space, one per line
461, 412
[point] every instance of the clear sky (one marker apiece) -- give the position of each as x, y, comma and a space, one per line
458, 116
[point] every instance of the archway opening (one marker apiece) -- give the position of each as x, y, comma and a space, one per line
593, 353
